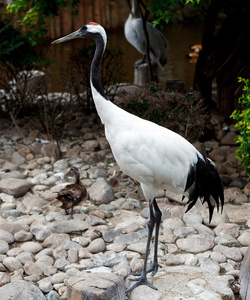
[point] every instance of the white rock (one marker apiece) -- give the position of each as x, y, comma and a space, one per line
172, 223
244, 238
4, 247
98, 245
196, 243
31, 247
45, 285
12, 263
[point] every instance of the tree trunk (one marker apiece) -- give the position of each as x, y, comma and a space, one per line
224, 55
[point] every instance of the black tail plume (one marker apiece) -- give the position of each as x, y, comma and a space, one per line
204, 181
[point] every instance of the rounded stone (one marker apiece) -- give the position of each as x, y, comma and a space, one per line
6, 236
44, 261
96, 246
4, 247
12, 263
195, 243
24, 257
15, 289
23, 236
244, 238
31, 247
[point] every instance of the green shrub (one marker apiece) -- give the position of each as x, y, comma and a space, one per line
180, 112
243, 118
15, 48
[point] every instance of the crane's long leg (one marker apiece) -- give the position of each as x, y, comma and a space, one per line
143, 278
155, 265
158, 214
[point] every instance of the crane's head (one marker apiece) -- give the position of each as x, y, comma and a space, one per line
91, 30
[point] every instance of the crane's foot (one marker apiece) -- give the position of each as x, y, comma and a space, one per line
153, 268
140, 281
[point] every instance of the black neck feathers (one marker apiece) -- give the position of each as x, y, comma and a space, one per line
95, 71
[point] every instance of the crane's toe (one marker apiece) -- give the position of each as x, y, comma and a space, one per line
154, 268
140, 281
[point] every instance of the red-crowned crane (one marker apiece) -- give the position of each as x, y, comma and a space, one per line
153, 155
135, 35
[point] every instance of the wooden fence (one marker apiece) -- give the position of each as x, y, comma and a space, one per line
108, 13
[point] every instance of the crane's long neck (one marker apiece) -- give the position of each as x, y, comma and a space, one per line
95, 71
106, 110
135, 9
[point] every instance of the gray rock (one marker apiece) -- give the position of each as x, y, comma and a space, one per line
6, 236
31, 247
197, 287
210, 266
217, 256
12, 263
61, 263
95, 173
182, 232
172, 223
52, 295
49, 271
96, 246
32, 268
227, 228
44, 262
200, 228
14, 186
21, 290
196, 243
13, 227
109, 259
136, 264
4, 278
127, 238
13, 174
23, 236
4, 247
55, 240
59, 277
24, 257
226, 240
101, 192
104, 286
14, 251
109, 236
139, 247
90, 145
229, 252
192, 218
244, 238
61, 164
70, 226
18, 159
45, 285
9, 166
41, 232
174, 260
73, 255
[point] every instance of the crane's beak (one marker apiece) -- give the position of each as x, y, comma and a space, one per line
71, 36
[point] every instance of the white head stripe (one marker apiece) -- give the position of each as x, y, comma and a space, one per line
98, 29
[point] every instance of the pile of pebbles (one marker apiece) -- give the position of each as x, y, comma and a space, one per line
43, 251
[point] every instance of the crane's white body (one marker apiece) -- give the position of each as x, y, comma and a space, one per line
134, 33
153, 155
